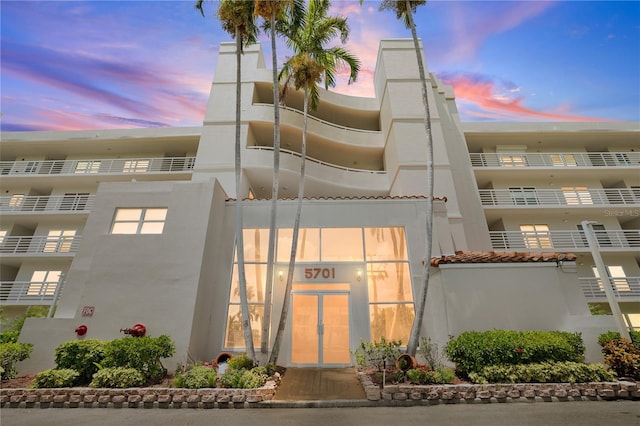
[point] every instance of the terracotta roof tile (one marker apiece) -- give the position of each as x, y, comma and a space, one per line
466, 256
371, 197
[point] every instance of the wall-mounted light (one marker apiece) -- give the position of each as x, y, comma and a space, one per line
281, 275
359, 274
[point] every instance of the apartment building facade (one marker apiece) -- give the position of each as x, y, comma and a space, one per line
112, 228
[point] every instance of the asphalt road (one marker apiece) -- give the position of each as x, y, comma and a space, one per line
582, 413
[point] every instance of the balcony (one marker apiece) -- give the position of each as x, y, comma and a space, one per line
554, 197
99, 166
66, 245
556, 159
564, 240
46, 204
625, 289
28, 292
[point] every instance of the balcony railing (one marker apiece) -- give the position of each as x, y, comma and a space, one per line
554, 197
28, 292
52, 203
556, 159
98, 166
623, 288
563, 240
39, 244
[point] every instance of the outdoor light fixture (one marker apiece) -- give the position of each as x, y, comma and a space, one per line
281, 275
359, 274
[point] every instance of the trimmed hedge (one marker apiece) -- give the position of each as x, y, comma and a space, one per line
472, 350
141, 353
55, 378
117, 377
84, 356
547, 372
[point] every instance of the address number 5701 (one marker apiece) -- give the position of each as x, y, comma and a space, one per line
315, 273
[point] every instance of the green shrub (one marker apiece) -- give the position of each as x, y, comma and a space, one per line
140, 353
231, 378
243, 379
198, 376
547, 372
84, 356
55, 378
472, 351
240, 361
377, 354
117, 377
424, 376
604, 338
10, 354
623, 357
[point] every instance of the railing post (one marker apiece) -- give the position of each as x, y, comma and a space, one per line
607, 283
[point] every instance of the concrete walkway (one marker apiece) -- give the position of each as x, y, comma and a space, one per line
313, 384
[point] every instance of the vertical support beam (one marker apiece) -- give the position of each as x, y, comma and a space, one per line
56, 294
607, 282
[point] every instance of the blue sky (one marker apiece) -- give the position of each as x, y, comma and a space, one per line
117, 64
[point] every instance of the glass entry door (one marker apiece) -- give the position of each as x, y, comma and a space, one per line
320, 327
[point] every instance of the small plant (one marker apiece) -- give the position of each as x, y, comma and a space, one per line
425, 376
377, 354
604, 338
84, 356
198, 376
10, 354
243, 378
623, 357
140, 353
117, 377
55, 378
240, 361
432, 354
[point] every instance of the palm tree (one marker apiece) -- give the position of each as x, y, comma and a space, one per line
405, 9
273, 11
237, 18
311, 64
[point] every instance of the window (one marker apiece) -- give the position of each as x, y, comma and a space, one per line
617, 275
31, 167
136, 166
3, 234
139, 221
523, 196
16, 200
87, 166
577, 195
59, 241
536, 236
43, 283
512, 160
563, 160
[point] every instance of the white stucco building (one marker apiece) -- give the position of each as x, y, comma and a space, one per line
119, 227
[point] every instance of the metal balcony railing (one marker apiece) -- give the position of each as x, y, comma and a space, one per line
39, 245
98, 166
554, 197
555, 159
29, 292
623, 287
563, 240
53, 203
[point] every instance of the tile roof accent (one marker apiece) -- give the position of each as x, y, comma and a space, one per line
466, 256
371, 197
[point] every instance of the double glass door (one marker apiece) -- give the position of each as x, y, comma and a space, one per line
320, 325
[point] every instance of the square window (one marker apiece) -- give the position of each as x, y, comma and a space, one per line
139, 221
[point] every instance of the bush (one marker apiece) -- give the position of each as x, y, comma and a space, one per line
472, 351
10, 354
377, 354
243, 379
604, 338
240, 361
431, 353
84, 356
55, 378
140, 353
117, 377
623, 357
198, 376
561, 372
424, 376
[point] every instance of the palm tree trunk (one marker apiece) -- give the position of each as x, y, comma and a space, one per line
294, 240
242, 279
264, 344
414, 337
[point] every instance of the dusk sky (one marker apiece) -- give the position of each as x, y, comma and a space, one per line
68, 65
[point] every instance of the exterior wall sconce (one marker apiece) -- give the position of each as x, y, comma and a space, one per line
359, 274
281, 275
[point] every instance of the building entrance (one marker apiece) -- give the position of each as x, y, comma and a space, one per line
320, 325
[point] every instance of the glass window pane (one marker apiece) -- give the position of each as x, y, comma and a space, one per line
234, 336
393, 322
389, 282
128, 214
255, 273
125, 228
308, 245
155, 214
38, 276
385, 243
341, 244
256, 245
152, 228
